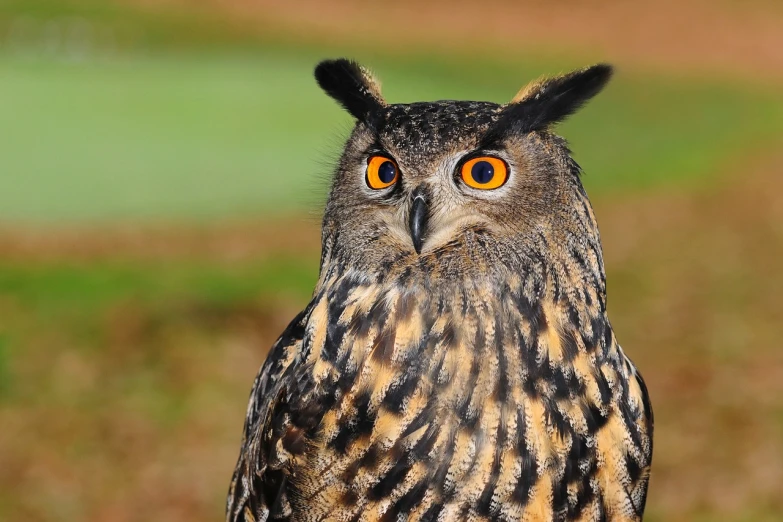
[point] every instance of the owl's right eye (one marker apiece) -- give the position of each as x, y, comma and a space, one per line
484, 172
381, 172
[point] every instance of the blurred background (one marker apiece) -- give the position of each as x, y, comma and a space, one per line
163, 165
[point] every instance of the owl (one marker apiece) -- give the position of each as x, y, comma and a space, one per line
456, 361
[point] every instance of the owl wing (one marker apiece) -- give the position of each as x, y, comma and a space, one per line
258, 487
639, 472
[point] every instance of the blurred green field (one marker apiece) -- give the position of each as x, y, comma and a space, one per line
126, 358
200, 137
113, 112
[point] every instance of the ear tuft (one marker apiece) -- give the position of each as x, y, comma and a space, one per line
352, 86
548, 101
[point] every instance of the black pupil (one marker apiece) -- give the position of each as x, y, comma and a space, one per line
387, 172
482, 172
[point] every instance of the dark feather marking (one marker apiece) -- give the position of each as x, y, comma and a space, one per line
584, 493
350, 472
388, 482
280, 508
335, 333
643, 499
594, 418
526, 308
399, 392
347, 378
539, 321
603, 387
408, 501
360, 425
378, 313
530, 388
502, 386
607, 344
630, 422
633, 468
577, 256
466, 418
349, 497
359, 326
371, 458
563, 388
529, 473
598, 324
439, 476
559, 497
336, 330
576, 385
406, 305
556, 419
569, 345
465, 302
383, 348
425, 444
405, 276
449, 336
433, 513
649, 419
484, 505
481, 336
573, 315
578, 451
294, 440
470, 417
418, 357
441, 380
538, 371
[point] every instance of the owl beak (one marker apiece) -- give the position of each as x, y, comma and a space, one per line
418, 217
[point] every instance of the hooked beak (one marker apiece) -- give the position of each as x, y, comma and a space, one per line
418, 217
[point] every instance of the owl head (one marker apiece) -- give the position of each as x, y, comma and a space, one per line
461, 181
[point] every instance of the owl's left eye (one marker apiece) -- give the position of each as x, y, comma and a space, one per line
484, 172
381, 172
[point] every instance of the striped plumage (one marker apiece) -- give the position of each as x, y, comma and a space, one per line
474, 378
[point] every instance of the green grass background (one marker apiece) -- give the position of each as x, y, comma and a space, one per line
158, 128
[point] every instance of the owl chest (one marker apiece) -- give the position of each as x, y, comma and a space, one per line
444, 404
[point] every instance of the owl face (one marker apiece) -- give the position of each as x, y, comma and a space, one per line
417, 179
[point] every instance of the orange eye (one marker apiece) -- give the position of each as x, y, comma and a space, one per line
484, 172
381, 172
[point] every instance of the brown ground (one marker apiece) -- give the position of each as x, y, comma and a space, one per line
225, 242
693, 37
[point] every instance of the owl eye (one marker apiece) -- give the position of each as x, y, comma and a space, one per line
381, 172
484, 172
